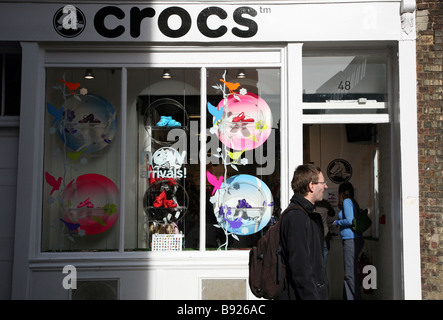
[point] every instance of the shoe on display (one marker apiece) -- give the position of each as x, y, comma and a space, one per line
242, 118
164, 120
174, 123
87, 202
239, 118
170, 204
89, 119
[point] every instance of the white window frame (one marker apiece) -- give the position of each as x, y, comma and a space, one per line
158, 57
369, 105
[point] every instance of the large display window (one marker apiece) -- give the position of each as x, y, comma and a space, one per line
171, 188
81, 161
243, 164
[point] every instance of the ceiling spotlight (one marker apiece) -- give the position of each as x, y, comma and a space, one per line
241, 74
89, 74
166, 74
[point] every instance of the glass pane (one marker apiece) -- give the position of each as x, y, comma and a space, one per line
345, 84
81, 190
164, 113
13, 76
243, 155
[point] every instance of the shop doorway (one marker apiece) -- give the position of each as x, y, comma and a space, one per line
360, 154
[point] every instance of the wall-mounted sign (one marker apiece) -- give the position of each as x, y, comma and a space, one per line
69, 21
200, 21
339, 171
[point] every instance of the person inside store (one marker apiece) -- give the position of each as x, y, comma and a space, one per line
302, 238
352, 242
327, 213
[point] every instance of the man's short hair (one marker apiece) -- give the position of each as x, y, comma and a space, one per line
303, 175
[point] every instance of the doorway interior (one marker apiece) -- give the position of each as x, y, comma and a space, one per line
359, 153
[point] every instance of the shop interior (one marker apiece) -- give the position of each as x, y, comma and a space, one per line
358, 154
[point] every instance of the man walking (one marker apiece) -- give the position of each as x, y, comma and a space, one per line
302, 238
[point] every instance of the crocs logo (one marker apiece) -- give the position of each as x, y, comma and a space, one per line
173, 22
69, 21
241, 16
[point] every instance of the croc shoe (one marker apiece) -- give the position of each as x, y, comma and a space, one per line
242, 118
164, 120
86, 203
173, 123
239, 118
159, 199
170, 203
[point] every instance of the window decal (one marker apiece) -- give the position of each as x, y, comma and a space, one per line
91, 202
243, 204
81, 204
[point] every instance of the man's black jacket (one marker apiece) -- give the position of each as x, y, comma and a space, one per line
302, 241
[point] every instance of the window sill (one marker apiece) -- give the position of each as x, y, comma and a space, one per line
130, 260
9, 121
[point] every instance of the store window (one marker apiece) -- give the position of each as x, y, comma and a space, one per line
81, 190
345, 83
10, 83
244, 150
170, 115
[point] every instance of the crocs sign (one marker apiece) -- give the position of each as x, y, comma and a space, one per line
173, 22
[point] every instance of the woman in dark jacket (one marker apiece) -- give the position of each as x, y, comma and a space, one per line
302, 239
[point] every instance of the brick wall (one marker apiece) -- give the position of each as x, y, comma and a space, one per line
429, 23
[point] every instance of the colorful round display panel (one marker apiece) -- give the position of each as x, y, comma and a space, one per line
247, 122
246, 204
92, 202
91, 123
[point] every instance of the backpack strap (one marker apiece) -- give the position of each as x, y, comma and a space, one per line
290, 207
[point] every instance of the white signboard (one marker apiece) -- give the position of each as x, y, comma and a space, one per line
203, 22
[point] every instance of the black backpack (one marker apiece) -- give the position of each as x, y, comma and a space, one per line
267, 270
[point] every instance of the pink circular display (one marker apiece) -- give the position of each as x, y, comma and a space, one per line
91, 201
247, 122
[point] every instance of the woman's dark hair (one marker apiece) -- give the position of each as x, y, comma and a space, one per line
345, 191
303, 175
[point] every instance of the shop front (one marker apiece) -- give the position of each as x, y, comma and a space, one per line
153, 178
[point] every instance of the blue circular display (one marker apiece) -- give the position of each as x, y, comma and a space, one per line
88, 124
244, 204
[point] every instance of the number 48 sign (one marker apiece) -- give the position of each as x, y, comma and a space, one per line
344, 85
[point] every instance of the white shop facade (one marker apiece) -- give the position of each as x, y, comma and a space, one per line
194, 121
